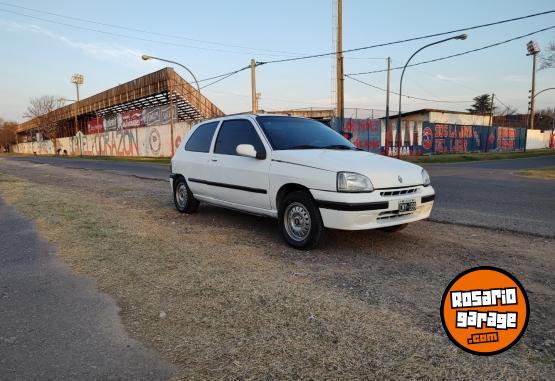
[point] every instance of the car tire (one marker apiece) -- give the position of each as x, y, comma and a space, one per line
393, 229
299, 220
183, 198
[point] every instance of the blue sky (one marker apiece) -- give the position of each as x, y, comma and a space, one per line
39, 56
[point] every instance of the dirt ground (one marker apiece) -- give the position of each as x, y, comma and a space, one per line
238, 303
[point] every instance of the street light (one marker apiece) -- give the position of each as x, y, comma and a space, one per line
459, 37
146, 57
544, 90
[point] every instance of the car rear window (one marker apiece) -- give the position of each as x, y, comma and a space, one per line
201, 138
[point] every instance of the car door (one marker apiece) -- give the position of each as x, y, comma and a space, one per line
194, 161
238, 179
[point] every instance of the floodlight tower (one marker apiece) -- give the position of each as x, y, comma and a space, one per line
78, 79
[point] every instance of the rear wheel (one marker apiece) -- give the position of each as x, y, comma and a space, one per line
300, 221
183, 199
393, 229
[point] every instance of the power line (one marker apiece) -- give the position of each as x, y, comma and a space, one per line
129, 36
406, 96
410, 39
141, 30
459, 54
221, 77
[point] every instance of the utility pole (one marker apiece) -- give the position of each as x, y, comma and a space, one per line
340, 111
387, 93
533, 50
253, 87
170, 96
491, 110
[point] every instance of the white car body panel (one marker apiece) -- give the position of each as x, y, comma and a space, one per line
252, 185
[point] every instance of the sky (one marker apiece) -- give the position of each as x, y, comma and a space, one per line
44, 43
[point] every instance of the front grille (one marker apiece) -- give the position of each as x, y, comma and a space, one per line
393, 214
397, 192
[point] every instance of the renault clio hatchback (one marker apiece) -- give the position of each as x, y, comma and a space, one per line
299, 171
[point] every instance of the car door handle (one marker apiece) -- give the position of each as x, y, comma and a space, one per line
214, 160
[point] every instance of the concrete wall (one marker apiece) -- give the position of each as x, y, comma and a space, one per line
537, 139
143, 141
448, 118
462, 119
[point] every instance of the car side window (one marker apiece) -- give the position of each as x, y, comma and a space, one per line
202, 138
235, 132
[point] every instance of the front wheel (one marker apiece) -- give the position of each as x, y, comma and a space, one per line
300, 221
183, 198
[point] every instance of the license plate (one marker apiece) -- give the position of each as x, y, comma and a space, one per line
407, 205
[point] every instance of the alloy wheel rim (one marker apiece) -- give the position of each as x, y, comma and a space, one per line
181, 195
297, 221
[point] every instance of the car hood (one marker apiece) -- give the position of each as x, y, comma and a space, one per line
383, 171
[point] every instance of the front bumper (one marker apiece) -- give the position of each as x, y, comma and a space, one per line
380, 208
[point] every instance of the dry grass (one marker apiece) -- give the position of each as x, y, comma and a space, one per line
540, 173
240, 305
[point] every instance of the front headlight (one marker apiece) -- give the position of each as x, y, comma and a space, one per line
425, 178
353, 182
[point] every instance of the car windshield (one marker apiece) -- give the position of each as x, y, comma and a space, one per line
286, 133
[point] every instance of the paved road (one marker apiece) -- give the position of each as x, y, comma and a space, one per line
138, 169
484, 193
54, 325
489, 194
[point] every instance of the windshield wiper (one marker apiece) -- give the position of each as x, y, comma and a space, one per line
339, 146
305, 146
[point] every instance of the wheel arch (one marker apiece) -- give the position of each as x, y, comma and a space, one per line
177, 176
285, 189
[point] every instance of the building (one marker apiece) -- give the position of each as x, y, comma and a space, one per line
444, 116
147, 116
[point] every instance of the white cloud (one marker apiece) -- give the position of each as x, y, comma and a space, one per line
103, 52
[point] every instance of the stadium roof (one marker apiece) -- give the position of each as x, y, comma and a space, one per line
161, 87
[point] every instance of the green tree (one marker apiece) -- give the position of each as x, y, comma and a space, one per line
482, 105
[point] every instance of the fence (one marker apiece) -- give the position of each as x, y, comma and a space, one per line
419, 138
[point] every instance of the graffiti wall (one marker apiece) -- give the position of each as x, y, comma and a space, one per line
419, 138
452, 138
155, 141
410, 139
363, 133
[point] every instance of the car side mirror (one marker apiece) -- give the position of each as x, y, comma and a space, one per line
247, 150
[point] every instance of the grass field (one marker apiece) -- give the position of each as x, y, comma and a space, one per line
540, 173
445, 158
456, 157
240, 304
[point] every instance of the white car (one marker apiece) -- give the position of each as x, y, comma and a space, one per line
299, 171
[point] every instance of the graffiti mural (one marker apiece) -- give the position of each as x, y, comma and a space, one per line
410, 139
423, 138
143, 141
452, 138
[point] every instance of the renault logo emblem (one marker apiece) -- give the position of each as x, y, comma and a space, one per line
400, 178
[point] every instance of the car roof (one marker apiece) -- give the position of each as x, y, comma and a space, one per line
247, 115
